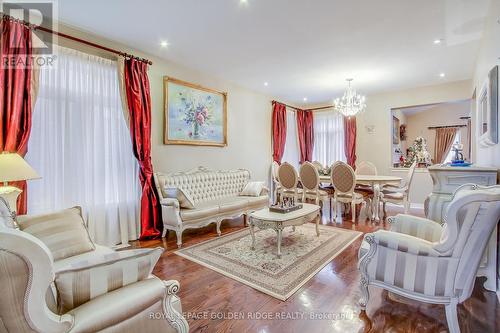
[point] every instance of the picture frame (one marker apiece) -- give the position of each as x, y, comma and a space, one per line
395, 130
193, 114
487, 110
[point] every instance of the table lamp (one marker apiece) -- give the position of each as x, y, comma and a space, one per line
13, 168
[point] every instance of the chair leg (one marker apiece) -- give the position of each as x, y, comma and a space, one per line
353, 211
218, 227
406, 205
334, 209
365, 293
452, 316
330, 208
178, 233
384, 210
164, 233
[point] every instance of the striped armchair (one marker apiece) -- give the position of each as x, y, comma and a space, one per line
423, 260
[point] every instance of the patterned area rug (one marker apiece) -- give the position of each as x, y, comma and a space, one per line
303, 254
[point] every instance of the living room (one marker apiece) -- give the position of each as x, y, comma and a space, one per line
250, 166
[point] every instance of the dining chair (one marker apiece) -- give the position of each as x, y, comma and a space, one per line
288, 180
309, 177
365, 168
276, 184
318, 165
344, 180
399, 195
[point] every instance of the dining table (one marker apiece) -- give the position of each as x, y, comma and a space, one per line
377, 182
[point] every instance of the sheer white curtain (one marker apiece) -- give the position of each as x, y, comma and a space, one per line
291, 153
328, 138
81, 146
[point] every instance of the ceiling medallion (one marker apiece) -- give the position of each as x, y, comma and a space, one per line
351, 103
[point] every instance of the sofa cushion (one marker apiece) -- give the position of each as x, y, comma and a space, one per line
202, 210
84, 280
262, 200
231, 204
63, 232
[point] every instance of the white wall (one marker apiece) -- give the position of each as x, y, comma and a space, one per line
249, 118
487, 59
377, 147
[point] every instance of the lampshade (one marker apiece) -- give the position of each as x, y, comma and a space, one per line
13, 167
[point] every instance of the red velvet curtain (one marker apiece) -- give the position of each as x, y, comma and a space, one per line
350, 140
279, 130
139, 105
305, 129
15, 94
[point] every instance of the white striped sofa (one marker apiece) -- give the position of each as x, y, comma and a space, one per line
215, 194
423, 260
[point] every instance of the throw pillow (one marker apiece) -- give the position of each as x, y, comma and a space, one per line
252, 189
63, 232
82, 281
185, 200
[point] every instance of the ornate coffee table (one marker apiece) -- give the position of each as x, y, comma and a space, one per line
264, 219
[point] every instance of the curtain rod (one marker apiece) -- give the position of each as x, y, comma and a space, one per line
79, 40
451, 126
309, 110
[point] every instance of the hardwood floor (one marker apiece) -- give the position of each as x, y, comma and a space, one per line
326, 303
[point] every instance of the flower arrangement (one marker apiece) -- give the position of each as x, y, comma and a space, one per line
418, 152
197, 112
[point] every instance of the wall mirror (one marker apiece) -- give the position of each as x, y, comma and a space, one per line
487, 110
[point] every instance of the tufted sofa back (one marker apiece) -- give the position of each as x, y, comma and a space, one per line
205, 185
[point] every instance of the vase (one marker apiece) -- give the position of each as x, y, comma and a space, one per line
196, 130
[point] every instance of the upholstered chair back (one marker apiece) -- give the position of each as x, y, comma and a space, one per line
409, 175
366, 168
203, 184
309, 176
318, 165
470, 220
287, 176
26, 272
343, 177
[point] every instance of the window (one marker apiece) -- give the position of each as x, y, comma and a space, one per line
451, 154
328, 138
81, 146
291, 153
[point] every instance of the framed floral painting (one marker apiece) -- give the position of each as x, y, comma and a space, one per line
194, 115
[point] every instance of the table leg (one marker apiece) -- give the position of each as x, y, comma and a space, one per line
252, 233
280, 235
376, 202
317, 224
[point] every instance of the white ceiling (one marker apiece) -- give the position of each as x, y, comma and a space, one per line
303, 48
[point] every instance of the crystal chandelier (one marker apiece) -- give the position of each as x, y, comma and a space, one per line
351, 103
